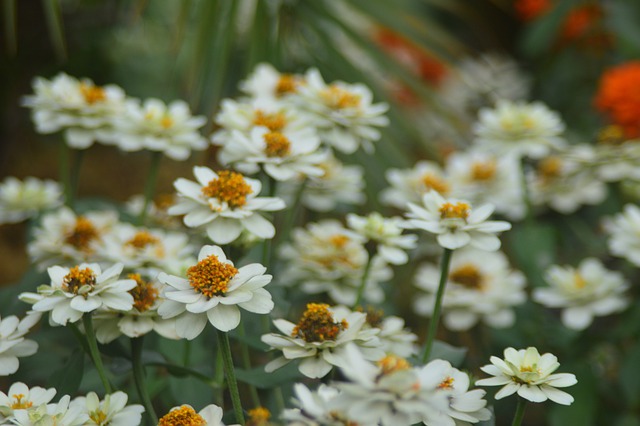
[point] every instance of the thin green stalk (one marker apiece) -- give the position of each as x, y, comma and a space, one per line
246, 364
65, 173
95, 353
218, 378
526, 196
150, 184
138, 377
517, 419
223, 339
363, 283
435, 318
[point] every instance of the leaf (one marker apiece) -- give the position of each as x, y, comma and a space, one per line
263, 380
534, 248
443, 350
629, 375
10, 21
56, 27
67, 380
583, 410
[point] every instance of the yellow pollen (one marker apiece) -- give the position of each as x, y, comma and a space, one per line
339, 240
98, 417
166, 122
337, 98
258, 416
374, 316
317, 324
391, 363
210, 276
164, 201
144, 294
92, 94
467, 275
550, 168
229, 187
20, 404
78, 278
142, 239
526, 369
274, 122
458, 210
446, 384
83, 233
483, 170
286, 84
432, 181
578, 281
183, 416
277, 145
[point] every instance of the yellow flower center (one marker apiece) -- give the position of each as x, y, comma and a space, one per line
278, 145
467, 275
338, 98
550, 168
612, 135
19, 404
374, 316
391, 363
274, 122
229, 187
447, 383
578, 281
183, 416
98, 416
457, 210
317, 324
286, 84
142, 239
258, 416
339, 240
83, 233
483, 170
210, 276
166, 122
432, 181
92, 94
79, 280
144, 293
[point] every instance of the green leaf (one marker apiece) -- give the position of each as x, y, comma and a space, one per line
67, 380
534, 249
56, 27
583, 410
263, 380
629, 375
443, 350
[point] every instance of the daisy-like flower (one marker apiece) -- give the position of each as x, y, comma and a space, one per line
410, 185
315, 408
320, 338
20, 397
266, 85
623, 230
61, 413
20, 200
529, 374
81, 109
66, 238
386, 233
343, 112
224, 204
13, 345
616, 157
170, 129
213, 292
211, 415
394, 337
481, 286
111, 411
79, 290
584, 292
455, 223
519, 129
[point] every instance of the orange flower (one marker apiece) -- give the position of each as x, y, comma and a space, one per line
582, 21
618, 97
529, 10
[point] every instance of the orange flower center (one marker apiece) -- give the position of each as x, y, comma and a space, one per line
432, 181
457, 210
338, 98
391, 363
19, 404
183, 416
98, 417
277, 145
144, 293
286, 84
317, 324
210, 276
447, 384
274, 122
258, 416
79, 280
467, 275
483, 170
142, 239
166, 122
92, 94
83, 233
229, 187
550, 168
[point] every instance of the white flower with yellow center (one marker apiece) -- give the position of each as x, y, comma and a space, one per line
213, 292
66, 238
529, 374
616, 157
519, 129
386, 233
184, 415
394, 337
624, 234
81, 289
455, 223
584, 292
61, 413
170, 129
315, 408
81, 109
13, 344
481, 286
319, 339
111, 411
344, 113
410, 185
20, 200
20, 397
224, 203
266, 85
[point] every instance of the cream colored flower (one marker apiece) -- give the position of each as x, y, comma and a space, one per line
20, 200
386, 233
13, 344
410, 185
624, 234
60, 413
315, 408
19, 396
266, 85
111, 411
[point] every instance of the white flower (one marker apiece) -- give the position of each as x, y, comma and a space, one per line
79, 290
20, 200
410, 185
319, 339
616, 158
386, 232
267, 86
455, 223
211, 415
315, 408
344, 113
111, 411
170, 129
59, 414
394, 337
584, 292
519, 129
19, 396
13, 345
81, 109
624, 234
530, 375
480, 287
224, 203
212, 292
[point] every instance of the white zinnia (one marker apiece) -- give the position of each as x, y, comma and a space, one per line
623, 230
315, 408
61, 413
386, 233
13, 344
111, 411
211, 415
20, 200
19, 396
266, 85
410, 185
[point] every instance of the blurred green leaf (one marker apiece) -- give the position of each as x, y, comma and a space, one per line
443, 350
629, 375
583, 410
67, 380
10, 23
56, 27
534, 249
263, 380
622, 19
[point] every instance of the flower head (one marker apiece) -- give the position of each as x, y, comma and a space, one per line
20, 397
13, 343
20, 200
185, 415
111, 411
386, 233
623, 230
618, 97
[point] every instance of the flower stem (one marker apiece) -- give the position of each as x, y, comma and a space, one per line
95, 353
435, 318
526, 196
517, 419
138, 377
150, 184
246, 364
363, 283
223, 339
65, 173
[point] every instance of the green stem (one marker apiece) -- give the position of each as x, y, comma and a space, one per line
435, 318
95, 353
526, 196
138, 377
65, 173
517, 419
150, 184
223, 339
218, 378
246, 364
75, 172
363, 282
